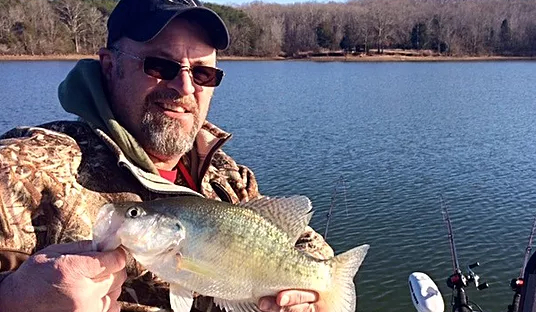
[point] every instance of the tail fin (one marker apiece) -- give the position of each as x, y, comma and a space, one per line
342, 297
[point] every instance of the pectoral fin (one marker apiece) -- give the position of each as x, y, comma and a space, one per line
194, 267
236, 306
181, 299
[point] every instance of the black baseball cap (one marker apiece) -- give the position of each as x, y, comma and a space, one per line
142, 20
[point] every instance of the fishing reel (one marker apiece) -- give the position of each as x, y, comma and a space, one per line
459, 280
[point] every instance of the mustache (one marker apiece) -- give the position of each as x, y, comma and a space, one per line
174, 96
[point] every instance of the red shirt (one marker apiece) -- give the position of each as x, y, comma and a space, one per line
171, 175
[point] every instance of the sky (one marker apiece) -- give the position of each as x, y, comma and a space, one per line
240, 2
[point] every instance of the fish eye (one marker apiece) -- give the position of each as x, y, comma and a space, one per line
134, 212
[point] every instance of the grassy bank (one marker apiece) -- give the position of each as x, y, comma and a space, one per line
50, 57
349, 58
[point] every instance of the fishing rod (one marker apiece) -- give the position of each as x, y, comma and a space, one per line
340, 181
458, 281
518, 283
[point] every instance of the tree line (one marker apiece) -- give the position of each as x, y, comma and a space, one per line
444, 27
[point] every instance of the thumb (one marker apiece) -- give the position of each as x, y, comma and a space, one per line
104, 263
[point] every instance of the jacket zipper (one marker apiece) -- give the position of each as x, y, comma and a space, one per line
208, 160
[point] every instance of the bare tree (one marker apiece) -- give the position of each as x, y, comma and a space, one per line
5, 29
95, 34
352, 20
41, 27
300, 24
71, 13
15, 17
441, 27
383, 22
269, 18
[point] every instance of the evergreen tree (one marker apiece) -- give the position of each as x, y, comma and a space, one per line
505, 37
418, 36
324, 35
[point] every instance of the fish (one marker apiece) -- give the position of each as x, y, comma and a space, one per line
235, 253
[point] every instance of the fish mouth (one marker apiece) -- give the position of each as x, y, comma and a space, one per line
105, 229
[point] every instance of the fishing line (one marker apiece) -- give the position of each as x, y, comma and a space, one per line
340, 183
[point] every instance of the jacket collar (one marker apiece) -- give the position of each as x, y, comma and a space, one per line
209, 139
149, 180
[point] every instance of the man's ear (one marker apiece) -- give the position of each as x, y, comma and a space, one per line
106, 61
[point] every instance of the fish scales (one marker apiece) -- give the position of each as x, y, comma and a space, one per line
247, 240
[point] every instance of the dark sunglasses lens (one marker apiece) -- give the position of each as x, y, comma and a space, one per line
160, 68
207, 76
165, 69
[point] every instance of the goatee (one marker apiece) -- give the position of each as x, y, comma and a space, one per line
163, 135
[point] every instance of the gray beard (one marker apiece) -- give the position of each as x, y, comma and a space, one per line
165, 137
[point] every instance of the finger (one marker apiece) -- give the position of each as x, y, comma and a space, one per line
118, 278
294, 297
114, 294
110, 284
267, 304
114, 307
115, 290
69, 248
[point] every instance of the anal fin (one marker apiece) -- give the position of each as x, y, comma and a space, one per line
236, 306
181, 299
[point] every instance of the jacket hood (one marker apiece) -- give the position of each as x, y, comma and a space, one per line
82, 93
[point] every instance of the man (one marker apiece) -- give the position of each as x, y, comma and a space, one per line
142, 135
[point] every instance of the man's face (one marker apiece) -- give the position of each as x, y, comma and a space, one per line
163, 115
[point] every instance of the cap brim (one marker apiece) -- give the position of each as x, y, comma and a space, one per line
208, 19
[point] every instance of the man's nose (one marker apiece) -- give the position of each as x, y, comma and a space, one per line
183, 82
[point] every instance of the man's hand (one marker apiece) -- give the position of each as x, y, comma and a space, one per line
293, 301
66, 277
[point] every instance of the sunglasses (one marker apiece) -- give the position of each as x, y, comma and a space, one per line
165, 69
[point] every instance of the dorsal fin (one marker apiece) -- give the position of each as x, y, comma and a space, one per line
290, 214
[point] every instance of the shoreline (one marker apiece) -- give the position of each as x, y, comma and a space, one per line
349, 58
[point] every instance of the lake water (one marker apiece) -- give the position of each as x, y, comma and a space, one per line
398, 134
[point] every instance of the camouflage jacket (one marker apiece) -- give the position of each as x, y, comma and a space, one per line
54, 178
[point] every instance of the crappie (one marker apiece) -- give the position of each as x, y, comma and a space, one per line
234, 253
